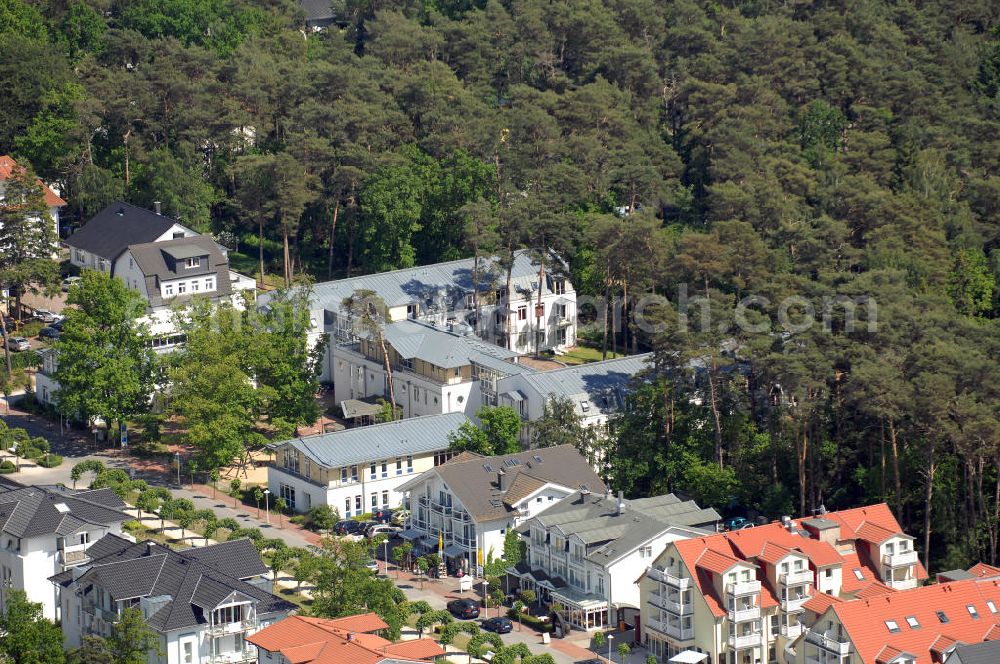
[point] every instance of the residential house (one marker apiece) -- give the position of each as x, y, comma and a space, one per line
319, 14
586, 551
47, 529
8, 167
447, 295
45, 383
597, 390
434, 370
925, 625
745, 596
201, 603
358, 470
469, 502
350, 640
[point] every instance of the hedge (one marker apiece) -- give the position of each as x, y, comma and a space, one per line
50, 461
530, 621
7, 467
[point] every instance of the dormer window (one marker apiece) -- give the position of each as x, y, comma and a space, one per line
194, 261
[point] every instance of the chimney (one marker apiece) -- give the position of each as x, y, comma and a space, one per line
350, 636
156, 206
500, 480
786, 521
621, 502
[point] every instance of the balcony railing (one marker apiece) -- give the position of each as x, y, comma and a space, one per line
827, 643
673, 606
237, 627
461, 515
74, 555
794, 603
234, 657
900, 559
663, 576
743, 615
792, 631
423, 500
674, 632
745, 641
743, 588
796, 578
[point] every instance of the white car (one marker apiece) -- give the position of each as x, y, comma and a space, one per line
384, 529
68, 282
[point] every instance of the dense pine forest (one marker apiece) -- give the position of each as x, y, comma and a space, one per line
701, 151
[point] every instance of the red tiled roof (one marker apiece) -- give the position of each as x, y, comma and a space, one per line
850, 582
716, 561
941, 644
864, 619
850, 520
983, 570
772, 553
992, 634
887, 654
820, 602
7, 168
304, 640
874, 533
873, 589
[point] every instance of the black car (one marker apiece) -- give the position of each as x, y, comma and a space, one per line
498, 624
49, 332
466, 609
349, 528
383, 515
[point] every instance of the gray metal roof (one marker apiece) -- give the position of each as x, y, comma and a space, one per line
182, 250
429, 285
147, 569
413, 340
413, 435
610, 534
987, 652
600, 384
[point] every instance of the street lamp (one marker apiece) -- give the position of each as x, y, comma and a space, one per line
486, 597
385, 555
267, 505
611, 637
177, 457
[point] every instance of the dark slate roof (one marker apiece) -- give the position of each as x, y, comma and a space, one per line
116, 227
151, 259
987, 652
318, 11
238, 557
33, 511
476, 486
195, 584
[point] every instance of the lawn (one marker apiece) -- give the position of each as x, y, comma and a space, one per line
584, 354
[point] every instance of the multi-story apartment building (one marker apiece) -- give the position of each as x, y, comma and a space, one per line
586, 551
924, 625
434, 370
358, 470
45, 530
445, 295
349, 640
202, 603
470, 501
744, 597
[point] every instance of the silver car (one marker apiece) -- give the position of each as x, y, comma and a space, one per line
18, 344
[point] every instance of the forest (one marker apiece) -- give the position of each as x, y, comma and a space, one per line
745, 148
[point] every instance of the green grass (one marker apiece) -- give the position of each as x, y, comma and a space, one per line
584, 355
250, 266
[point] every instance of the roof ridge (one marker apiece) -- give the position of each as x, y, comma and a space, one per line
369, 427
455, 261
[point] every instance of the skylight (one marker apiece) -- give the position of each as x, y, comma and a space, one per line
62, 508
992, 606
912, 622
859, 575
892, 626
972, 611
942, 617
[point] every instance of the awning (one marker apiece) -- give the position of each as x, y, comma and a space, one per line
579, 600
355, 408
514, 396
411, 534
564, 300
454, 551
688, 657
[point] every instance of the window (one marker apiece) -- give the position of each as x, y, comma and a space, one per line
559, 286
347, 507
858, 575
912, 622
828, 573
409, 464
195, 285
406, 363
892, 626
343, 475
399, 465
385, 469
992, 607
192, 262
411, 310
646, 552
357, 503
181, 287
972, 611
188, 652
942, 617
470, 300
522, 313
385, 499
210, 284
501, 293
374, 500
288, 493
371, 470
168, 290
354, 473
229, 614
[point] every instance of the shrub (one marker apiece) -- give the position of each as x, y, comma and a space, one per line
7, 466
535, 623
480, 643
449, 630
50, 461
322, 517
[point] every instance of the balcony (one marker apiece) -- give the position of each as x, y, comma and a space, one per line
900, 559
792, 631
670, 605
743, 615
796, 578
666, 577
423, 500
743, 588
794, 603
744, 641
234, 657
830, 644
73, 555
674, 632
221, 629
461, 515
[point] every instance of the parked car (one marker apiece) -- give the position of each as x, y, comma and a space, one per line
498, 624
399, 517
68, 282
17, 344
383, 515
46, 316
348, 527
383, 529
734, 522
49, 332
372, 565
466, 609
